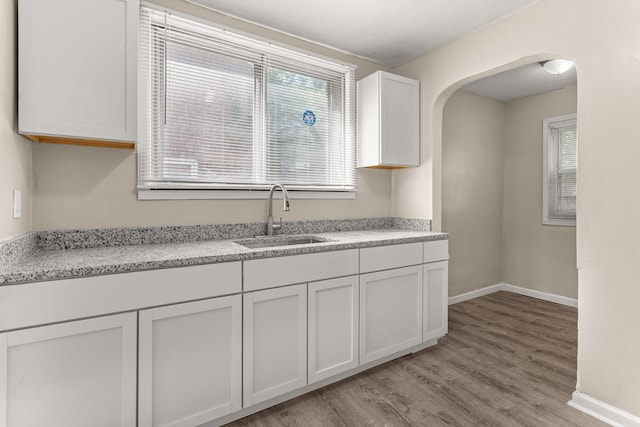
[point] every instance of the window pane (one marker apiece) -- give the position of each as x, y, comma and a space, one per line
567, 193
297, 128
209, 115
560, 170
567, 147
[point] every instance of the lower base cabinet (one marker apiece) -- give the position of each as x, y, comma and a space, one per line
435, 304
190, 362
74, 374
198, 362
274, 342
390, 312
333, 327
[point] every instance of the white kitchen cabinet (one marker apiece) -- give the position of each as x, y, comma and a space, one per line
73, 374
190, 361
388, 121
390, 312
333, 327
274, 342
435, 305
77, 63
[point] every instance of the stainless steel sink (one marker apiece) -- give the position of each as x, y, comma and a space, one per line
275, 241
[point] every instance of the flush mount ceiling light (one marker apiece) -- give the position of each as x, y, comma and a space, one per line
557, 66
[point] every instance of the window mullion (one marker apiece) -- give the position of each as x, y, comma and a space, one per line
259, 136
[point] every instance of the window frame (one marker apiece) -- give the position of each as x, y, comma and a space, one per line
551, 216
190, 191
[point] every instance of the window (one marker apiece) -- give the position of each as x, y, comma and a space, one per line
560, 164
221, 111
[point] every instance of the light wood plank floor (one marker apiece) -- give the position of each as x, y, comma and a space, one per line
508, 360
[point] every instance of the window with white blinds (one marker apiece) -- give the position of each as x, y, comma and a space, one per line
222, 111
560, 164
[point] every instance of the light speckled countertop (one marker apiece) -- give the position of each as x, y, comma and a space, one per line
40, 265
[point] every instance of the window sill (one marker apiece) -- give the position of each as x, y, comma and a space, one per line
560, 222
239, 195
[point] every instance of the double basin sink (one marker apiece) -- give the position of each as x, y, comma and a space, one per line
276, 241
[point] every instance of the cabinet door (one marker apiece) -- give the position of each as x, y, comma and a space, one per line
274, 342
436, 300
74, 374
333, 327
400, 121
190, 362
78, 68
390, 312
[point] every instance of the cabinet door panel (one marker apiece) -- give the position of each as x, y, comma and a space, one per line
78, 73
333, 327
71, 374
436, 296
275, 342
190, 362
400, 120
390, 312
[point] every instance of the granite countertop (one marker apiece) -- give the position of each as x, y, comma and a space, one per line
51, 264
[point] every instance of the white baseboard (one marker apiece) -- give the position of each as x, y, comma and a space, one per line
475, 294
603, 411
559, 299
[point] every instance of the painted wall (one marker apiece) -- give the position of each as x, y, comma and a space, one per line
534, 256
86, 187
604, 41
472, 184
15, 151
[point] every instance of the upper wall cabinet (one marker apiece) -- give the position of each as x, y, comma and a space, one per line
388, 121
77, 81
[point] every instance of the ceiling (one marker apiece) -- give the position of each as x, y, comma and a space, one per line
386, 32
391, 33
520, 82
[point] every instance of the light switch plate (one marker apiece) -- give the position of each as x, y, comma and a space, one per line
17, 204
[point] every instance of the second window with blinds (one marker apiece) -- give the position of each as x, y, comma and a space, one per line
560, 166
224, 112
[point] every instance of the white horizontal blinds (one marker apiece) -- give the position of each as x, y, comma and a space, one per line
562, 168
305, 141
223, 111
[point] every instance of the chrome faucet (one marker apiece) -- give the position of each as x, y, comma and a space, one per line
271, 227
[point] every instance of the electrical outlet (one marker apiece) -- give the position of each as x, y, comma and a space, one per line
17, 204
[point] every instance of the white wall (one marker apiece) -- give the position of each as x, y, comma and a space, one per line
473, 148
604, 40
86, 187
534, 256
15, 151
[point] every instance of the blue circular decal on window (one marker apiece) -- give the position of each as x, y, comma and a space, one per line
309, 118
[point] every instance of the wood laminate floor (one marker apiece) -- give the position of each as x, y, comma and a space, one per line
508, 360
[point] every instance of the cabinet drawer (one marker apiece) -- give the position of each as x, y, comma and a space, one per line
437, 250
288, 270
386, 257
91, 296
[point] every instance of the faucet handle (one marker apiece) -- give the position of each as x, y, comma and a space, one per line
277, 226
